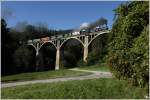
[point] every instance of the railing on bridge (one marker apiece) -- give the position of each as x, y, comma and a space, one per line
64, 36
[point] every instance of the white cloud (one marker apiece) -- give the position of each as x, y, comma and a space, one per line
83, 25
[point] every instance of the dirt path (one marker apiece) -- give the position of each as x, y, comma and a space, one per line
96, 74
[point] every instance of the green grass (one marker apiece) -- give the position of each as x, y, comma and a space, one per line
42, 75
91, 89
98, 67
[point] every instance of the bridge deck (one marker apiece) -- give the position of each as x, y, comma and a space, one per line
61, 37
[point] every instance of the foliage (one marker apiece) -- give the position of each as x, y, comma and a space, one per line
92, 58
71, 53
23, 58
81, 63
128, 47
98, 50
140, 58
7, 49
77, 89
15, 53
48, 56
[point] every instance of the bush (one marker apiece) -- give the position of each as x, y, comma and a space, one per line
92, 58
140, 58
128, 47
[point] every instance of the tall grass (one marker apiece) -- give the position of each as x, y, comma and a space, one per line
91, 89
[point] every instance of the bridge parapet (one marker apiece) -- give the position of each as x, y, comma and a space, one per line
61, 37
30, 42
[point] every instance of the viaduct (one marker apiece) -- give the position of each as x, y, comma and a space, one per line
58, 41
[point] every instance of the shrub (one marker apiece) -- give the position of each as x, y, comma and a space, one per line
128, 47
92, 58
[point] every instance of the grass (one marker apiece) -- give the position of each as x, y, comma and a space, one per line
98, 67
77, 89
42, 75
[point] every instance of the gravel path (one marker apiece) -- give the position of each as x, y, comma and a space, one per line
96, 74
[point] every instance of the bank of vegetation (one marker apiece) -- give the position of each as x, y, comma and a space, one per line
128, 43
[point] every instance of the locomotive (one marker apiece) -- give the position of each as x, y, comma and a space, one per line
86, 31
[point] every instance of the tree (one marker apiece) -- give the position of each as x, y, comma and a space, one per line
23, 58
30, 31
6, 48
128, 43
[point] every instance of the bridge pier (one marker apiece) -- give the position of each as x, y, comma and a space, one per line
37, 56
57, 59
37, 49
85, 55
57, 55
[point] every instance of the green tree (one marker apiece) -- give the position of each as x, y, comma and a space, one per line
7, 47
127, 57
23, 58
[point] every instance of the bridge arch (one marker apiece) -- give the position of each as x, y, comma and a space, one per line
47, 43
32, 61
70, 39
70, 57
47, 56
96, 37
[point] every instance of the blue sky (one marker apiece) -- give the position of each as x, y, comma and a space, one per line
59, 14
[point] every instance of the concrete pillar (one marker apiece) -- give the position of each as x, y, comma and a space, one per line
37, 52
37, 57
57, 55
85, 55
57, 59
37, 49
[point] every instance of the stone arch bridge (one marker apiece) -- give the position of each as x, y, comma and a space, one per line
85, 40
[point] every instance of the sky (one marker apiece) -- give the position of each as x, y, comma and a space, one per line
58, 14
